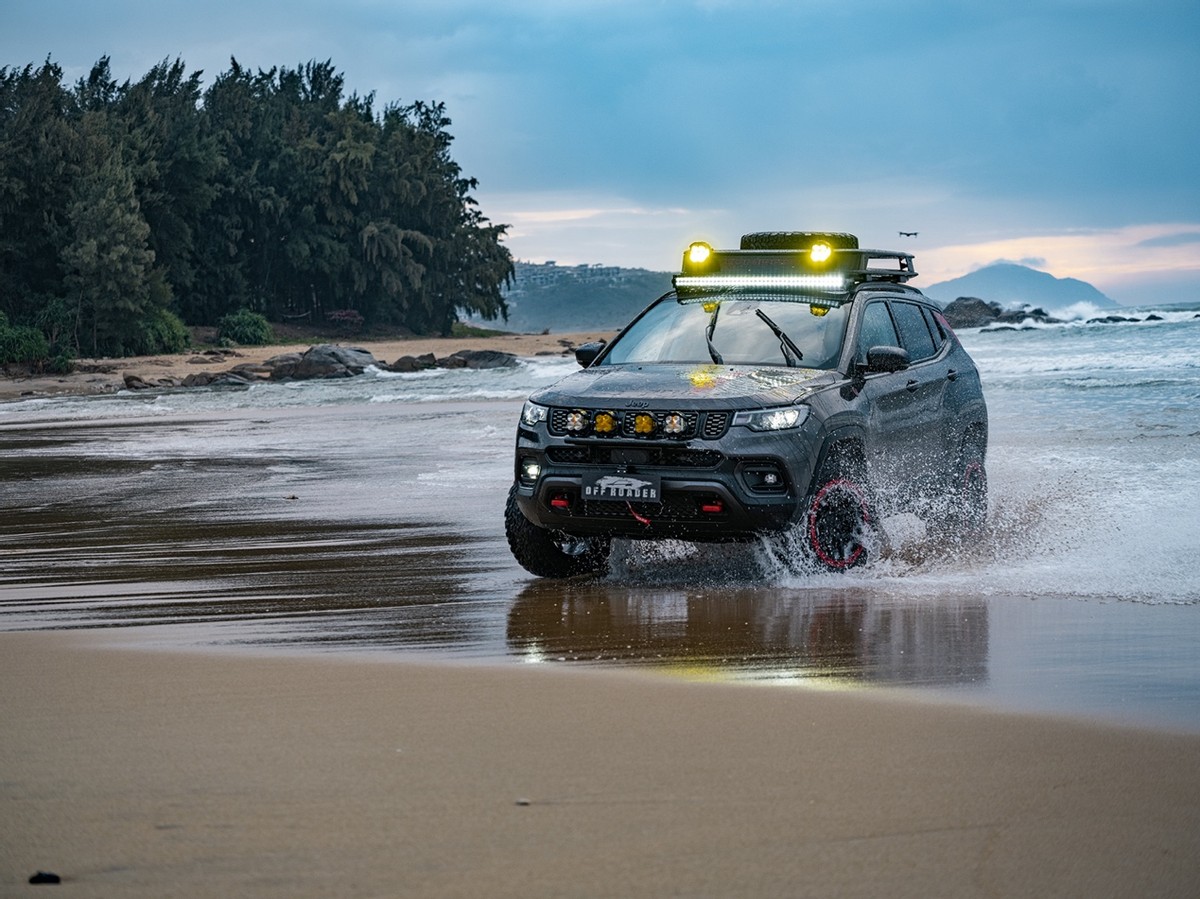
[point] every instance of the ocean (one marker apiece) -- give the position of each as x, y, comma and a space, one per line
365, 516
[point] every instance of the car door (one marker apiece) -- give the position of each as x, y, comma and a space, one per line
894, 426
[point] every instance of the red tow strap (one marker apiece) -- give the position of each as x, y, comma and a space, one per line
641, 519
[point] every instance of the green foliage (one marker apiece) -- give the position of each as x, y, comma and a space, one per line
162, 331
23, 345
120, 202
245, 327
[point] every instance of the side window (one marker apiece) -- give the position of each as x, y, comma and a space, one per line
877, 329
913, 331
935, 328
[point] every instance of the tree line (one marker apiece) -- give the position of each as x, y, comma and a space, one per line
128, 209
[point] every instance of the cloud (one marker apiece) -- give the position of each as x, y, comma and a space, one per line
1171, 240
1038, 262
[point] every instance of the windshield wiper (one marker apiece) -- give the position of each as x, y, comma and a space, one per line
790, 351
708, 335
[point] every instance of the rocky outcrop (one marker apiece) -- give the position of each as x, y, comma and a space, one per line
972, 312
321, 361
318, 362
478, 359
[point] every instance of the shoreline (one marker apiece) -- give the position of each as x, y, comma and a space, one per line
105, 376
141, 772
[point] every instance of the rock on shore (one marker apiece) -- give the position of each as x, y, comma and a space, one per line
320, 362
972, 312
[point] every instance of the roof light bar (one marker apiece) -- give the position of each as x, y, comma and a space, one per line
767, 282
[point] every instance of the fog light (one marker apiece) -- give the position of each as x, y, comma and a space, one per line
674, 423
605, 423
643, 423
531, 470
770, 479
576, 421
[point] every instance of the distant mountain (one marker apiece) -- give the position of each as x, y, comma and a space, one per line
559, 299
1010, 284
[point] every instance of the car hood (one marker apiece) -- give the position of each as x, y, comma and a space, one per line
658, 386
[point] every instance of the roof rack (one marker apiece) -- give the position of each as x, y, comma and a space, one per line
808, 263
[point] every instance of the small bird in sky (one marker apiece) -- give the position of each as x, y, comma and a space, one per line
907, 233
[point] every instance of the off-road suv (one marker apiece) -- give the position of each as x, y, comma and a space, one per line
794, 383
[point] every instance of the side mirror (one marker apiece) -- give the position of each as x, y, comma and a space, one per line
585, 354
886, 359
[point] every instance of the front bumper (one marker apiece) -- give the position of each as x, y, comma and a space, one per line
711, 490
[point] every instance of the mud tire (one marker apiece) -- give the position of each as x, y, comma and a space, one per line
839, 527
548, 553
969, 494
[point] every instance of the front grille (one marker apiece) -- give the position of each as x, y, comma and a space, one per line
650, 456
715, 425
674, 507
707, 425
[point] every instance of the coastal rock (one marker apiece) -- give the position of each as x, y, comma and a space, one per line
406, 364
479, 359
972, 312
136, 382
321, 361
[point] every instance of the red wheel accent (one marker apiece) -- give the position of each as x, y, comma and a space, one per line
814, 539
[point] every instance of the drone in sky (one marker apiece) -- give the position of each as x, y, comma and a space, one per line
907, 233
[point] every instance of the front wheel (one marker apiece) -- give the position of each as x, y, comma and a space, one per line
840, 523
548, 553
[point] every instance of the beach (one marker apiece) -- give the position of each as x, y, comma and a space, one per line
101, 376
140, 773
270, 641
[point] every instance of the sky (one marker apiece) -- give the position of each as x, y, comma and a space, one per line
1062, 134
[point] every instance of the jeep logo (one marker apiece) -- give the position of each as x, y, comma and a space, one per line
637, 404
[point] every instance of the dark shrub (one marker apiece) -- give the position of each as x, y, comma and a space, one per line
22, 345
244, 327
161, 332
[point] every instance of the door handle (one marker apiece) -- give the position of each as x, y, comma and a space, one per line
951, 375
911, 386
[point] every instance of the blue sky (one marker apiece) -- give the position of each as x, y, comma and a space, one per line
1064, 133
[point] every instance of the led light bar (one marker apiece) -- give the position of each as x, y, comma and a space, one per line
767, 282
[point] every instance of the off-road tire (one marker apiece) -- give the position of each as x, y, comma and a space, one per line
548, 553
969, 493
839, 526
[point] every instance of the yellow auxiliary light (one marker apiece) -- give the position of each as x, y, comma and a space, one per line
643, 423
699, 252
604, 423
820, 252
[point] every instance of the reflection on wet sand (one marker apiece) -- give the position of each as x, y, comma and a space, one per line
756, 633
281, 581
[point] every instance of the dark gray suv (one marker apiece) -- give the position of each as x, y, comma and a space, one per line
794, 383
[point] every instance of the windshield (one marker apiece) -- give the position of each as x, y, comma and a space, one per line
734, 331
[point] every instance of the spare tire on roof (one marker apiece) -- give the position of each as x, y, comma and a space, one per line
797, 240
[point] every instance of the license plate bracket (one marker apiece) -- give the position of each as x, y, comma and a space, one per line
630, 487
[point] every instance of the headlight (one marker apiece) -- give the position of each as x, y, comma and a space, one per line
533, 413
772, 419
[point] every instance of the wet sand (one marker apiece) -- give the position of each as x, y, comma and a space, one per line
97, 376
136, 773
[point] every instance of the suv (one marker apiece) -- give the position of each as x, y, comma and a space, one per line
794, 383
